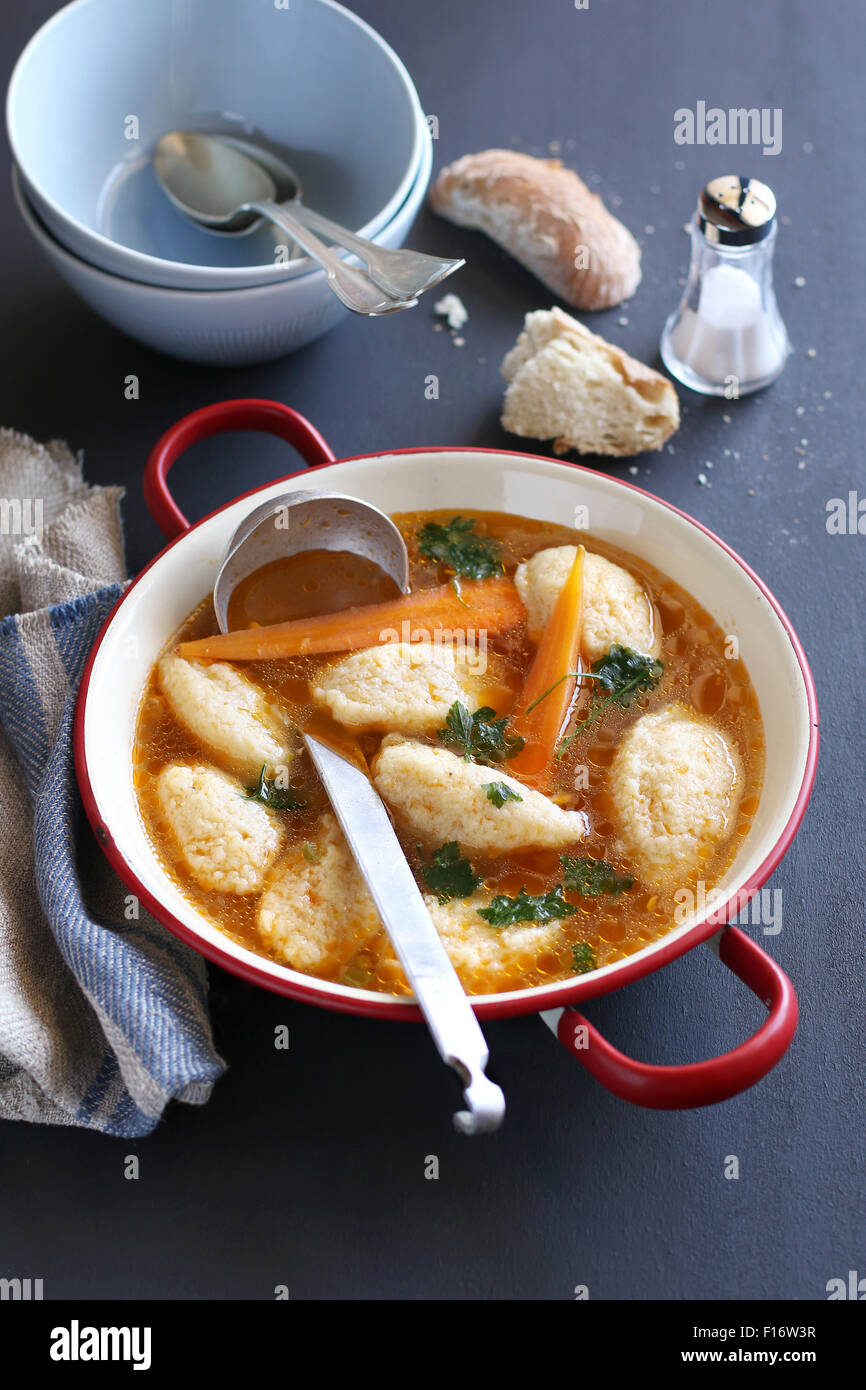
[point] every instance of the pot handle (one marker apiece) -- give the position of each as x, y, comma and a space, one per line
272, 417
701, 1083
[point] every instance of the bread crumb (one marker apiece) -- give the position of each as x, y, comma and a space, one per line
800, 281
452, 308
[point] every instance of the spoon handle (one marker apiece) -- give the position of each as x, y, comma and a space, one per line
353, 287
440, 995
397, 272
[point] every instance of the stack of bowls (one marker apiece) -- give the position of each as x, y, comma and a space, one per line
100, 83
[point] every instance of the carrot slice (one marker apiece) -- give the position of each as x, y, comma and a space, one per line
482, 605
543, 704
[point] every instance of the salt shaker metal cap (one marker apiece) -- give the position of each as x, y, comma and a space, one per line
736, 211
727, 338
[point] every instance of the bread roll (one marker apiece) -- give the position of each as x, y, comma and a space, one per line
546, 217
569, 385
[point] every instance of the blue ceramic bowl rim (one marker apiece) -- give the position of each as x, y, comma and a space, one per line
262, 275
44, 235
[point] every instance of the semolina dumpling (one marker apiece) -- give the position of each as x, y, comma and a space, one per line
616, 608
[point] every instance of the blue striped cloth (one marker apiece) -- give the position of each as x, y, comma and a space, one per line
147, 991
103, 1013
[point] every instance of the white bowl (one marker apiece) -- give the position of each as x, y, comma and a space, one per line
227, 328
311, 78
467, 480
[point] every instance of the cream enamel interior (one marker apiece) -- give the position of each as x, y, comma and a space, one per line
467, 480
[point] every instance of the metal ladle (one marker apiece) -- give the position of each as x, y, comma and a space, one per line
290, 524
217, 185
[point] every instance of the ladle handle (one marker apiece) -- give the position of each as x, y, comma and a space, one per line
271, 417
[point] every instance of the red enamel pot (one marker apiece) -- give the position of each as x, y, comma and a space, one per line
470, 479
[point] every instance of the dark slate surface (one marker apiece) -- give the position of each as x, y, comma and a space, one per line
307, 1167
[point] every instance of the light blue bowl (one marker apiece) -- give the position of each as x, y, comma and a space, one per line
224, 328
102, 80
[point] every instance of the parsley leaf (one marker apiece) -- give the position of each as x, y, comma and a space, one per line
625, 674
278, 798
584, 958
592, 877
476, 557
449, 876
480, 737
500, 792
505, 911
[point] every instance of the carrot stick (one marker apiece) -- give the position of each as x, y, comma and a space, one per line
543, 704
483, 605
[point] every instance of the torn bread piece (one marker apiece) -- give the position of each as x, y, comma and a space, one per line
545, 217
569, 385
616, 607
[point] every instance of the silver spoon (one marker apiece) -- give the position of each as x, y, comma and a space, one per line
287, 525
219, 186
403, 274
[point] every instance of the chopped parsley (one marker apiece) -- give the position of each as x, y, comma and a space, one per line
592, 877
270, 794
505, 911
476, 557
500, 792
583, 958
448, 875
480, 737
623, 674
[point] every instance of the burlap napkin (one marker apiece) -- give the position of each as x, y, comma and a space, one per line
103, 1014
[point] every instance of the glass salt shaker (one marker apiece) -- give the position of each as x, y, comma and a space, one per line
727, 336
